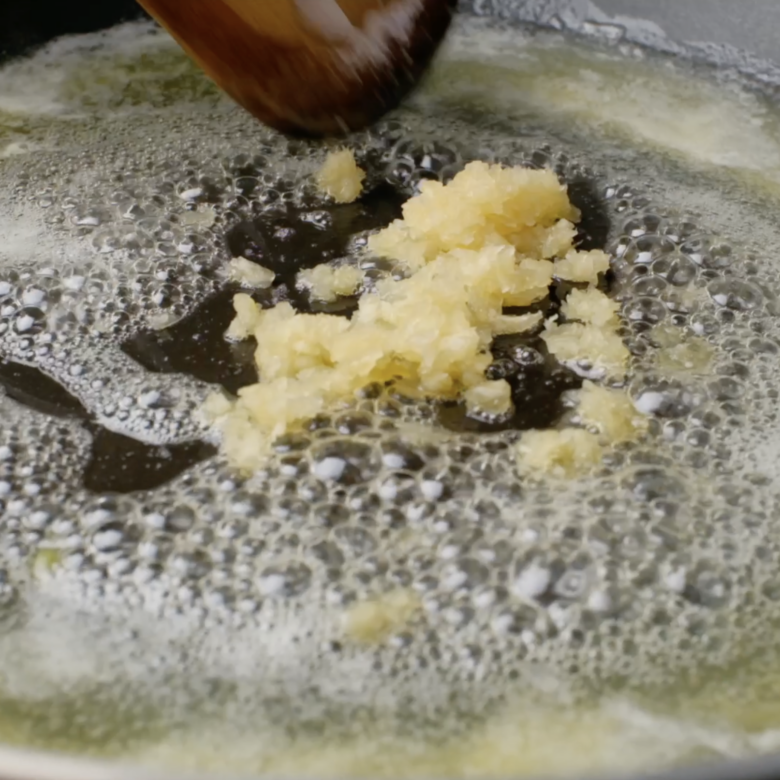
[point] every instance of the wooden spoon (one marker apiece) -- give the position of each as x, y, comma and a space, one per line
310, 67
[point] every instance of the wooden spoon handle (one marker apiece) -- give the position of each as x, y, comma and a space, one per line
292, 21
309, 67
279, 20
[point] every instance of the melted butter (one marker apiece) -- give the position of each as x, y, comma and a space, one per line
632, 96
645, 103
699, 722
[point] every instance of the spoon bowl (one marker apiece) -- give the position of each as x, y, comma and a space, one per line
310, 67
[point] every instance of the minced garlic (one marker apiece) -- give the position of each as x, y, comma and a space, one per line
326, 283
485, 242
485, 206
340, 177
571, 452
566, 453
575, 343
247, 317
491, 398
374, 621
251, 275
582, 266
611, 412
591, 307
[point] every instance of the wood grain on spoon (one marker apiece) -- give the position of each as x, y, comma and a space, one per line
310, 67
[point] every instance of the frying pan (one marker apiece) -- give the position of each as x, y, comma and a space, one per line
733, 28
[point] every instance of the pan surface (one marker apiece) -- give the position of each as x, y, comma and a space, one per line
161, 612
